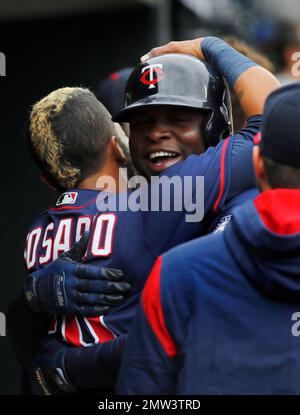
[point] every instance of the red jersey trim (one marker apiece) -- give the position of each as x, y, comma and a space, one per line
100, 332
72, 334
222, 174
74, 207
257, 139
154, 312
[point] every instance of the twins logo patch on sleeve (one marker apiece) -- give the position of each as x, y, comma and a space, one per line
222, 224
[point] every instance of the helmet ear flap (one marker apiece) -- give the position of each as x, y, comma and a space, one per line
218, 122
226, 108
206, 129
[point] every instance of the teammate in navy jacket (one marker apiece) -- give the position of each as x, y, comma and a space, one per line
219, 314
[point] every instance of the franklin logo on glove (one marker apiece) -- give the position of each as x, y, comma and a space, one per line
59, 287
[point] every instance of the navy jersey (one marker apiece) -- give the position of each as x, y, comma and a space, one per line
132, 240
220, 314
219, 221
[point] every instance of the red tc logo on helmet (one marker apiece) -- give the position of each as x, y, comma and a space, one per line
148, 77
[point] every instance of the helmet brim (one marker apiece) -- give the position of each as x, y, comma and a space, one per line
176, 101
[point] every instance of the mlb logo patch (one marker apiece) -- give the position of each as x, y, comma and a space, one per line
68, 198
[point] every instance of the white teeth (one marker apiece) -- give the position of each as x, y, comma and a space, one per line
161, 154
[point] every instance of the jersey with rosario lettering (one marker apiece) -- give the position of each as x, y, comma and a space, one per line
130, 230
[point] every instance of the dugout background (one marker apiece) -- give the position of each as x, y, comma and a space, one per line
42, 55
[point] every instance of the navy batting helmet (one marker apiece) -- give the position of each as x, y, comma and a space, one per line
185, 81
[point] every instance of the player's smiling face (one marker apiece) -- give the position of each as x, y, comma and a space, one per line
161, 136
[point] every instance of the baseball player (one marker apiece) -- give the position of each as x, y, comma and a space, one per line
111, 91
220, 314
217, 164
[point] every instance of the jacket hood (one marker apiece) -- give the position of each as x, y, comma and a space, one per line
264, 239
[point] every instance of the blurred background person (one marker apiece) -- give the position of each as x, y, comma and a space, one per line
111, 91
289, 54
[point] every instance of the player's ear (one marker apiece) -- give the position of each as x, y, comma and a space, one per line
259, 167
117, 150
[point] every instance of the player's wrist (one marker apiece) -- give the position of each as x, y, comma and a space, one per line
229, 62
50, 370
73, 360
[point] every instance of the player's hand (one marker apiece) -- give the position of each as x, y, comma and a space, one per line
188, 47
48, 375
68, 287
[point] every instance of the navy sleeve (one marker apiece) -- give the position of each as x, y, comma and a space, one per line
227, 168
146, 369
151, 360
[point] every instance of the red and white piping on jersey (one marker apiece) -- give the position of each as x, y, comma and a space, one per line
222, 175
